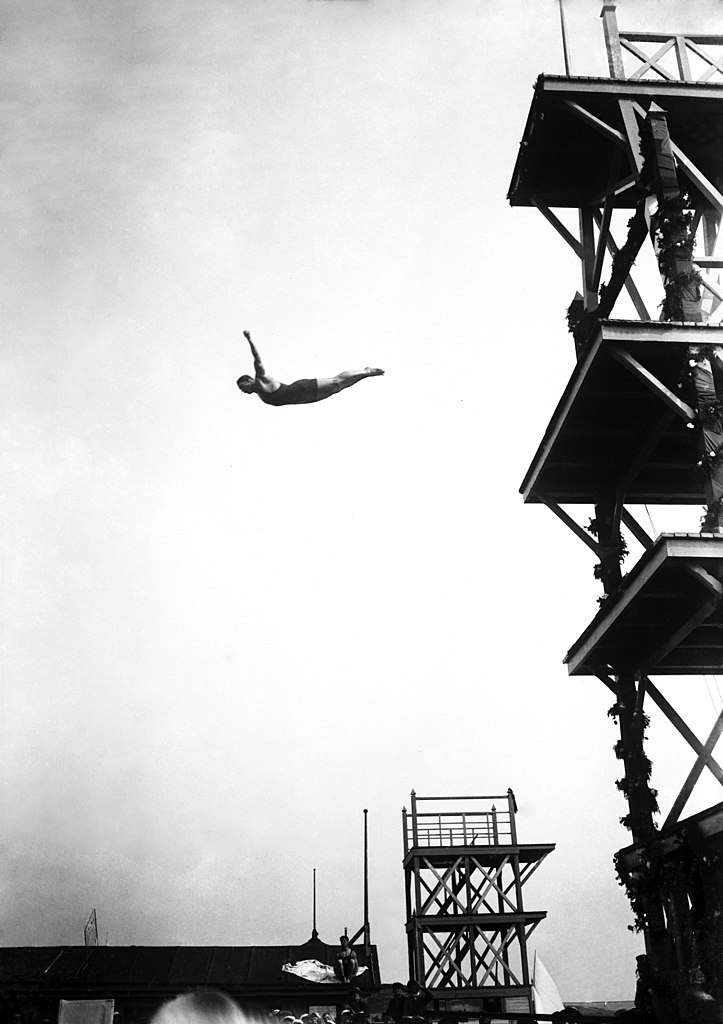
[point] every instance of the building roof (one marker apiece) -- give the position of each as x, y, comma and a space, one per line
241, 970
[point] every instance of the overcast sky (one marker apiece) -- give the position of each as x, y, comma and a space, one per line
229, 627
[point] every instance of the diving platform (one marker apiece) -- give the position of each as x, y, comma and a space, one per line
622, 424
467, 926
574, 124
666, 618
619, 166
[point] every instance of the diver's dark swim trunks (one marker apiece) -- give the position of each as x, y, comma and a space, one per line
301, 392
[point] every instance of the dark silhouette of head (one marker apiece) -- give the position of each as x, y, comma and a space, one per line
206, 1006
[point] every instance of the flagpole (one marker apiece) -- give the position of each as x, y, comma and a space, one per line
314, 933
564, 39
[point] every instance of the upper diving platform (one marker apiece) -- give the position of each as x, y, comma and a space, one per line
622, 424
574, 125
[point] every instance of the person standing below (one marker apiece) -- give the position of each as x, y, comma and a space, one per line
300, 392
357, 1007
395, 1009
415, 1003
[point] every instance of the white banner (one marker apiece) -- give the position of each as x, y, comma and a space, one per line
314, 970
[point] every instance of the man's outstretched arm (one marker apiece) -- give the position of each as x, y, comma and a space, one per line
258, 365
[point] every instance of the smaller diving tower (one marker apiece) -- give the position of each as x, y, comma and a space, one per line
467, 928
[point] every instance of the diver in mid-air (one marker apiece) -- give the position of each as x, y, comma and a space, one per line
300, 392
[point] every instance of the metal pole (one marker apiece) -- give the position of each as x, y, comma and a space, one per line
564, 39
366, 886
314, 933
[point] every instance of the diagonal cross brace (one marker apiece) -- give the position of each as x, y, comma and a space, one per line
442, 884
685, 731
651, 381
446, 951
650, 62
497, 956
695, 773
493, 883
570, 522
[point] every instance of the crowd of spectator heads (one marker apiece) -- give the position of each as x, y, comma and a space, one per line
406, 1006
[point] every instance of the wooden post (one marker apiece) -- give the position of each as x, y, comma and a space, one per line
641, 806
683, 302
681, 54
711, 220
675, 255
512, 808
607, 524
612, 39
408, 900
587, 239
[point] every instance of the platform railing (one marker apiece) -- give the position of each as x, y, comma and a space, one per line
676, 49
492, 825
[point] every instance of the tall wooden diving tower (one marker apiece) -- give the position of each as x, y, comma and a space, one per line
467, 928
640, 154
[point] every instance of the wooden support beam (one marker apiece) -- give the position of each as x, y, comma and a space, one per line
612, 134
644, 88
695, 773
587, 237
497, 956
615, 190
602, 242
662, 37
640, 307
709, 286
650, 381
446, 960
529, 869
636, 529
632, 133
641, 456
685, 731
711, 222
442, 885
673, 639
559, 227
681, 55
706, 187
714, 64
650, 62
608, 682
706, 578
604, 222
570, 522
